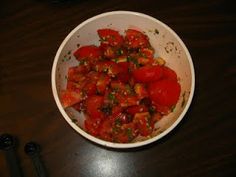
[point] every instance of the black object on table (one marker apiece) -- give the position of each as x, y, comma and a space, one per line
8, 145
32, 149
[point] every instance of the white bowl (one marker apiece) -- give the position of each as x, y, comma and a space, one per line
167, 45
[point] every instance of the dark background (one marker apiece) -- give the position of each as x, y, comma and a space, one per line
204, 144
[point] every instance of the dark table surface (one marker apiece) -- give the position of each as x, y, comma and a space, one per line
204, 144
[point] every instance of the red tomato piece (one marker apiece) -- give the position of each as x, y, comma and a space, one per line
108, 51
69, 98
136, 39
90, 88
136, 109
148, 73
72, 85
90, 52
147, 52
127, 100
105, 130
102, 83
93, 105
126, 133
164, 110
169, 73
118, 86
123, 75
140, 90
110, 37
92, 126
164, 92
110, 67
124, 67
143, 122
116, 112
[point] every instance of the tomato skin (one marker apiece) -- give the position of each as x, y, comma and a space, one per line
148, 74
110, 37
93, 106
69, 97
132, 110
89, 52
136, 39
164, 92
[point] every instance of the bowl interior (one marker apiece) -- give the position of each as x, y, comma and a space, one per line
166, 44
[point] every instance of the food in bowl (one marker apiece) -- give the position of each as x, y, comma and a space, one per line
166, 44
120, 87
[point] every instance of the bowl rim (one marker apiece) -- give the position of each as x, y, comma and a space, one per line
100, 141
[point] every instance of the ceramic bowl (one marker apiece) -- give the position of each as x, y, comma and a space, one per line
167, 45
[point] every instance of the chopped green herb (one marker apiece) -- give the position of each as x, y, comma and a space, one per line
129, 133
111, 96
118, 122
119, 52
115, 60
134, 60
152, 110
69, 52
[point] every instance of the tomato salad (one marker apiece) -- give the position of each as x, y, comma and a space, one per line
120, 87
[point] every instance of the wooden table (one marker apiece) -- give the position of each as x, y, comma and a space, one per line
204, 144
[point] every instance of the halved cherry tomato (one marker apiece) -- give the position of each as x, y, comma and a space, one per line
143, 122
164, 92
136, 39
93, 105
136, 109
69, 97
90, 52
148, 73
110, 37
